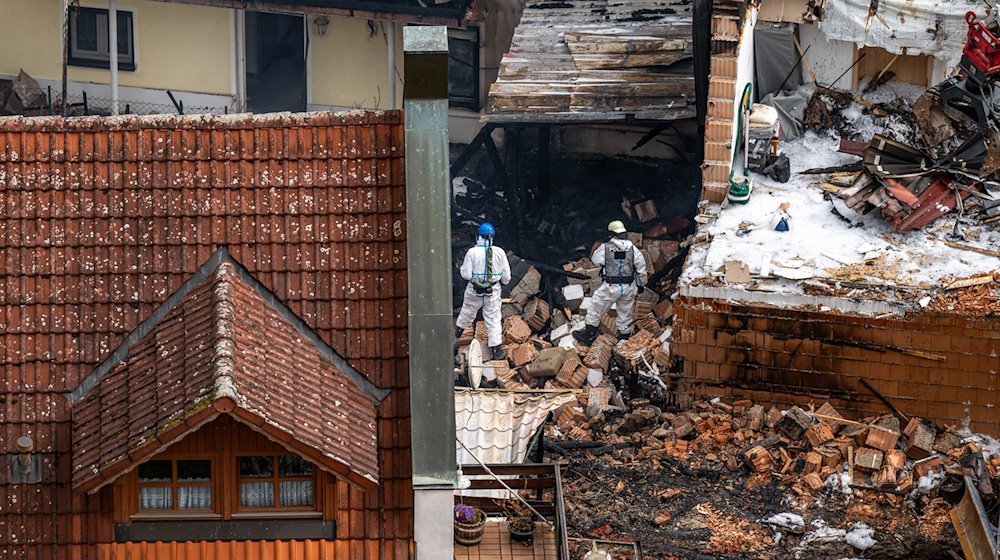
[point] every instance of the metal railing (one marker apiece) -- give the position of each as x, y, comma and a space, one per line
544, 480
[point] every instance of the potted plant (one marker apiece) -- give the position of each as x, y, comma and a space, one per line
469, 524
520, 521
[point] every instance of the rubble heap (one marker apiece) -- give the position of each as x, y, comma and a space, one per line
22, 96
539, 319
918, 167
736, 470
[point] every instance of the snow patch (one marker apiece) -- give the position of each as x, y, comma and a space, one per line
786, 520
929, 481
860, 537
839, 482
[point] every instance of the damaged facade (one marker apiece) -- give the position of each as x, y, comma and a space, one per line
846, 295
836, 366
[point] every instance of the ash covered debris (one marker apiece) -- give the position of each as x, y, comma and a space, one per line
738, 479
544, 305
552, 277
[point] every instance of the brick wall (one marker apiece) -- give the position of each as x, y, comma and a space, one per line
785, 356
721, 97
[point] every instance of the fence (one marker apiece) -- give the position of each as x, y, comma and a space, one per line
83, 104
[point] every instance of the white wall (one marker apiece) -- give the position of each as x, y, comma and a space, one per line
744, 69
827, 58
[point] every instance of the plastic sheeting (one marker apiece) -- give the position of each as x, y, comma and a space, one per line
791, 107
933, 27
777, 63
497, 426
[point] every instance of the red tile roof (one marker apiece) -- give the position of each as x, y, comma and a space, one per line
102, 219
223, 344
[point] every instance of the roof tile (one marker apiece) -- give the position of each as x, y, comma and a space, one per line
101, 219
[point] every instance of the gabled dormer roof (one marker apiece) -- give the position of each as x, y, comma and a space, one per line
223, 344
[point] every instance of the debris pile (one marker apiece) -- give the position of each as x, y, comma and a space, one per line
873, 476
22, 96
939, 155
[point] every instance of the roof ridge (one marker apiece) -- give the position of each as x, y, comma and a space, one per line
118, 354
224, 331
227, 270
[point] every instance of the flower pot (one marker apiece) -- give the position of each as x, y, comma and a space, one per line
521, 529
469, 534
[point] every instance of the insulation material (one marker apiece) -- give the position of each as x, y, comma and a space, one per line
933, 27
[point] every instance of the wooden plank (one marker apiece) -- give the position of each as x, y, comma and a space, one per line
972, 248
967, 282
599, 54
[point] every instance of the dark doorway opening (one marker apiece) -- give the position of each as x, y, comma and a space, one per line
275, 62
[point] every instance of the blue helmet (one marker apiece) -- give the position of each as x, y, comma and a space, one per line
487, 230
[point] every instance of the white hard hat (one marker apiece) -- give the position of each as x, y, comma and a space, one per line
617, 227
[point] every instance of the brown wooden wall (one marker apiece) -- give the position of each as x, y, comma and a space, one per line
788, 356
102, 219
220, 440
247, 550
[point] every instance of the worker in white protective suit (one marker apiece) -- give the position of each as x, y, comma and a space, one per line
623, 269
485, 267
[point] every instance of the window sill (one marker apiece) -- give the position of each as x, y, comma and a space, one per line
278, 515
256, 529
201, 516
104, 64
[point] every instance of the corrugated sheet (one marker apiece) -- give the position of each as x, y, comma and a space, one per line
597, 61
101, 219
497, 426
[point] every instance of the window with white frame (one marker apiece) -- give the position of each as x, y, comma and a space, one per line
89, 39
463, 68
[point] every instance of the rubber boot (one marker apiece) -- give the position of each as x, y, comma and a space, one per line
586, 336
739, 190
458, 332
622, 336
497, 353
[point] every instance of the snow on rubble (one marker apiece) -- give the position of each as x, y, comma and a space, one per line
822, 247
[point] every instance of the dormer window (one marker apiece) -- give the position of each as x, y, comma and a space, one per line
275, 482
175, 485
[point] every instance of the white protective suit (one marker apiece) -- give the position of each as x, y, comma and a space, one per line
474, 270
622, 294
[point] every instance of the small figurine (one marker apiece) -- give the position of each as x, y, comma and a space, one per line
781, 219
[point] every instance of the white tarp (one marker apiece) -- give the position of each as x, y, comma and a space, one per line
933, 27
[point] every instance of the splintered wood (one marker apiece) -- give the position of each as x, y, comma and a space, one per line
731, 536
980, 294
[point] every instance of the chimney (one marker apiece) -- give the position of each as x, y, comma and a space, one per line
428, 246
